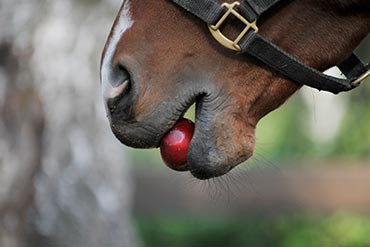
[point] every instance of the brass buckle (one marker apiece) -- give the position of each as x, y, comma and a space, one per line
361, 78
221, 38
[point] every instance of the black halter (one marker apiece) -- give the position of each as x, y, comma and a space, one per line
250, 42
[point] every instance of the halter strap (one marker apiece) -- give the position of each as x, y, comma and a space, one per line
207, 10
251, 43
295, 70
260, 6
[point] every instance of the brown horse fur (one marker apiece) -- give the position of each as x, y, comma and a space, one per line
173, 62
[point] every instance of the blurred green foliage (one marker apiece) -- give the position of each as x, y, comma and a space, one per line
286, 131
354, 138
286, 231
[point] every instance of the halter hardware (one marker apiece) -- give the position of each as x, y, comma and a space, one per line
221, 38
361, 78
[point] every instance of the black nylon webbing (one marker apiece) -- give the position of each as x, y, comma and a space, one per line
291, 67
207, 10
260, 6
353, 67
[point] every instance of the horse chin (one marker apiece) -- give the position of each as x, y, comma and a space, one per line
207, 159
222, 140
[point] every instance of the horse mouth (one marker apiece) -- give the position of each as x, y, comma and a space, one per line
213, 150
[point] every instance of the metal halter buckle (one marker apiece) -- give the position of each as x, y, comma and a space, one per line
361, 78
221, 38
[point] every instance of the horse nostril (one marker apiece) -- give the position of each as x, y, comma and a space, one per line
119, 76
116, 82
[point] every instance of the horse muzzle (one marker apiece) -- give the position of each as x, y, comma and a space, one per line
222, 138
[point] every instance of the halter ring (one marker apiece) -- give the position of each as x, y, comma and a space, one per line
221, 38
359, 80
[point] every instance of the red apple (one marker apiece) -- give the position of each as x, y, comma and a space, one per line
175, 144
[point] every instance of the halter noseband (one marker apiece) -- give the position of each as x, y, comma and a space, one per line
251, 43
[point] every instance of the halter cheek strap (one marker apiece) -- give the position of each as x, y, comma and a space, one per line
251, 43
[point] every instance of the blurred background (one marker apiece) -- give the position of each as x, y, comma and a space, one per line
66, 181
